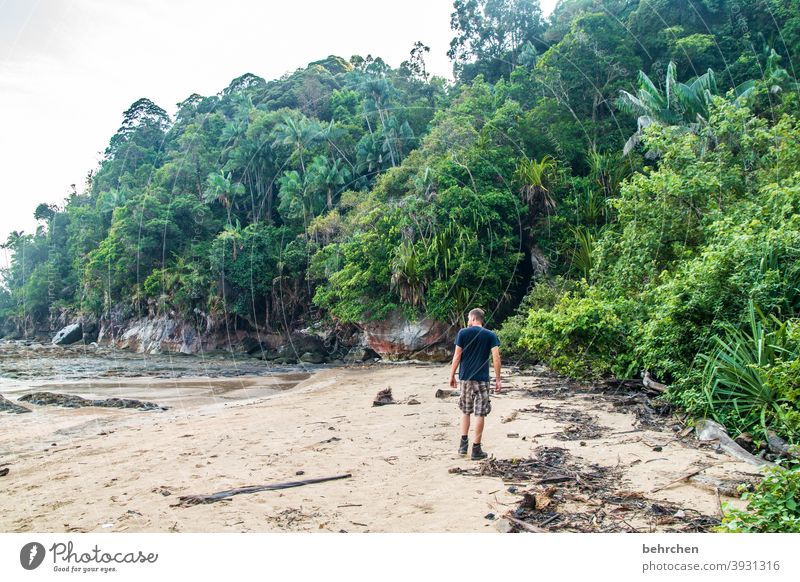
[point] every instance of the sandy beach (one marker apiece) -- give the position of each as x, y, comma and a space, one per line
107, 470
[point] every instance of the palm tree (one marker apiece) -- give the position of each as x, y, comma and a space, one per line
328, 176
298, 134
680, 104
533, 177
407, 275
220, 187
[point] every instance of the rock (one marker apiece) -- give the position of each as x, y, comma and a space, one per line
3, 471
73, 401
9, 406
68, 335
445, 393
312, 358
360, 354
779, 446
302, 345
251, 345
383, 398
397, 338
412, 401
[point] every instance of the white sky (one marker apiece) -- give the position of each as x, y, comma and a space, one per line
69, 68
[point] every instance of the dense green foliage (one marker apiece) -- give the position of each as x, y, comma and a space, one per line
624, 175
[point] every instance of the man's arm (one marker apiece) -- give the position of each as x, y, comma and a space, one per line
496, 360
454, 366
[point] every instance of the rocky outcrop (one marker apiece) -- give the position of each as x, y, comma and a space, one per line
73, 401
397, 338
8, 406
68, 335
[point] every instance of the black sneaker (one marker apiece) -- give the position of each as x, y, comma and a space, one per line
477, 453
463, 447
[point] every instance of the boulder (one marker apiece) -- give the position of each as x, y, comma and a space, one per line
312, 358
360, 354
8, 406
397, 338
300, 345
68, 335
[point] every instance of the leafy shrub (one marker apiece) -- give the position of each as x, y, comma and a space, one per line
543, 295
742, 389
585, 335
774, 505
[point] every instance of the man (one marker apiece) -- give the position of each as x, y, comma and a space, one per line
473, 346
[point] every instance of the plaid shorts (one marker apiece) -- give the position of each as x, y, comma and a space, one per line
474, 398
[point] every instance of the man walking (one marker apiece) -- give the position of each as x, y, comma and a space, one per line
473, 346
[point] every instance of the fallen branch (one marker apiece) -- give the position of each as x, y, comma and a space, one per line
188, 500
726, 487
524, 525
652, 384
682, 478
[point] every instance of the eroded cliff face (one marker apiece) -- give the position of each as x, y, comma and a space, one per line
394, 338
397, 338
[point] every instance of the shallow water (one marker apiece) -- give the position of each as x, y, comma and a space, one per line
26, 366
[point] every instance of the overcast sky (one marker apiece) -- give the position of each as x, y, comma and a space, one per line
69, 68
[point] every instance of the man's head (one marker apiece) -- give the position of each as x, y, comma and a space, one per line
476, 317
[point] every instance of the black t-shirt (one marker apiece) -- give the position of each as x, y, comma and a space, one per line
477, 343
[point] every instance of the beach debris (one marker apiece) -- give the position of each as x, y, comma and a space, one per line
188, 500
413, 401
562, 493
512, 435
3, 471
163, 491
445, 393
708, 430
490, 516
510, 417
383, 398
73, 401
683, 477
580, 426
301, 472
12, 407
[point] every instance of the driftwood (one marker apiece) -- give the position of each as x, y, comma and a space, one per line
524, 525
683, 477
708, 430
648, 382
726, 487
187, 500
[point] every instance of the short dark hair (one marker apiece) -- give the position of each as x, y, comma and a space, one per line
478, 314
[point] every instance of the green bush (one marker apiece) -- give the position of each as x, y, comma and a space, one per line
584, 335
773, 507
